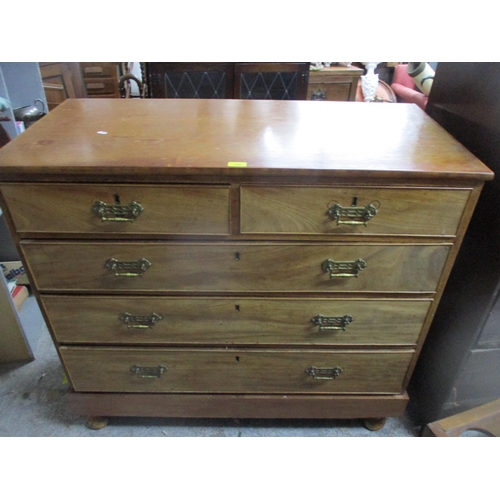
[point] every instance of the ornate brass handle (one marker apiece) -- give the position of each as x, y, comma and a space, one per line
353, 215
343, 269
149, 371
128, 268
117, 213
141, 321
324, 373
332, 322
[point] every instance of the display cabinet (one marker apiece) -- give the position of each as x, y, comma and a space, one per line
227, 80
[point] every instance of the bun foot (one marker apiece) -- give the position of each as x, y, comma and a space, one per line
374, 424
96, 423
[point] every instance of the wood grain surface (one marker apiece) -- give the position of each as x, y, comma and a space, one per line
67, 208
303, 210
196, 136
264, 268
234, 321
235, 371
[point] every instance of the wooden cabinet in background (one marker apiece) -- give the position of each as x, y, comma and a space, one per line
61, 80
336, 83
101, 78
284, 81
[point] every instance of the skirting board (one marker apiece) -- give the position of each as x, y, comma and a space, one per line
236, 406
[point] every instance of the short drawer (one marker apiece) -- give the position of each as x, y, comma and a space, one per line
323, 210
217, 267
329, 91
215, 371
118, 209
234, 321
100, 86
97, 69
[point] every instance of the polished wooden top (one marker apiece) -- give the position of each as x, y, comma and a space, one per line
201, 137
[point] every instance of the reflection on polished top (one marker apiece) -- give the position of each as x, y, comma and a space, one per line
204, 136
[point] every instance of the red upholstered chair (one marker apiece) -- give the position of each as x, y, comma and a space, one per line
405, 89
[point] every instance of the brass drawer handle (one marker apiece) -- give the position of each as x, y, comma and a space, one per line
343, 269
117, 213
332, 322
318, 95
353, 215
128, 268
141, 321
324, 373
149, 371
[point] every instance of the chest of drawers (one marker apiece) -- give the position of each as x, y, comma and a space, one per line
101, 79
238, 258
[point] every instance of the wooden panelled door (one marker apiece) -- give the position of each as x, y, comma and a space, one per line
61, 80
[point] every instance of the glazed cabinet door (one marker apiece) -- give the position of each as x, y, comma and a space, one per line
283, 81
190, 80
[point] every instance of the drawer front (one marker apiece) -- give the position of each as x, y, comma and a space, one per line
96, 69
234, 321
100, 86
329, 91
235, 371
316, 210
234, 267
108, 209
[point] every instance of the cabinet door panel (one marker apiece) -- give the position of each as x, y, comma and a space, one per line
281, 81
191, 80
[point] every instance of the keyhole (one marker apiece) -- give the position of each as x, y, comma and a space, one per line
237, 307
237, 358
117, 199
354, 201
237, 256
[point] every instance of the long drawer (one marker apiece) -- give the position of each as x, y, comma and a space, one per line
214, 267
118, 209
234, 321
235, 371
323, 210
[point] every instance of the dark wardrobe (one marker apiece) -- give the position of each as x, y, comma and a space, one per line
460, 363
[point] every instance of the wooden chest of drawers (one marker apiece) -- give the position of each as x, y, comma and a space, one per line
238, 258
101, 79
